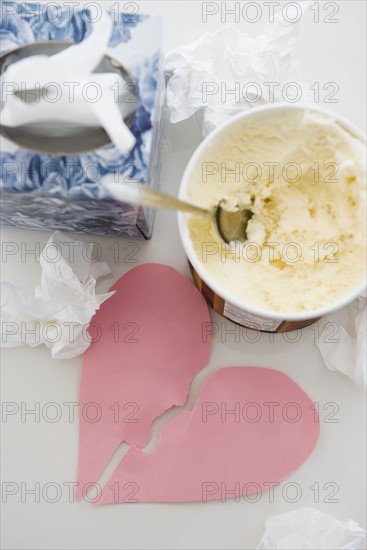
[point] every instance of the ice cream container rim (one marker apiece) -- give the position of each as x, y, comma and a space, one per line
220, 290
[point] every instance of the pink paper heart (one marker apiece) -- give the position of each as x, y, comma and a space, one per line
211, 453
148, 348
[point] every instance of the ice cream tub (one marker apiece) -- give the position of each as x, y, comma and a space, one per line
301, 170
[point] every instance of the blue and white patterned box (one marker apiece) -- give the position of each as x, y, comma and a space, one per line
68, 197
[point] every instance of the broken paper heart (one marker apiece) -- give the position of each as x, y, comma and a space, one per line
148, 349
250, 428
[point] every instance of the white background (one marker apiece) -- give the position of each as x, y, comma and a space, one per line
44, 452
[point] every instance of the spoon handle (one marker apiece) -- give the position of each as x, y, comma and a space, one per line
138, 194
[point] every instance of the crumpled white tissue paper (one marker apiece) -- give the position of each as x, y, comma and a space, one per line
63, 304
311, 529
348, 353
202, 72
68, 103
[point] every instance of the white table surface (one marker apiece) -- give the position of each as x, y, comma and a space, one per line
46, 452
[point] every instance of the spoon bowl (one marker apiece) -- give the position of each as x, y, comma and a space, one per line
231, 225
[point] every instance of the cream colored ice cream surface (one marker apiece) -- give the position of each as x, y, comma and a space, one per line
304, 177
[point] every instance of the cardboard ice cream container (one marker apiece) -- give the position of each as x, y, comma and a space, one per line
221, 297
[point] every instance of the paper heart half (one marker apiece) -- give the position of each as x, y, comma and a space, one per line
148, 346
250, 428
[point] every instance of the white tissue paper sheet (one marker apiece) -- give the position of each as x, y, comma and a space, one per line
348, 353
204, 74
66, 76
59, 313
311, 529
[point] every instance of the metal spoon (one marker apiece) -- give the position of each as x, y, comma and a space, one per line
231, 226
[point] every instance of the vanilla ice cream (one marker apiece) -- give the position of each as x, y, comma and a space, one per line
304, 178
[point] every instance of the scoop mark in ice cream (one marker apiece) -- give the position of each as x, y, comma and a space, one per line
308, 232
